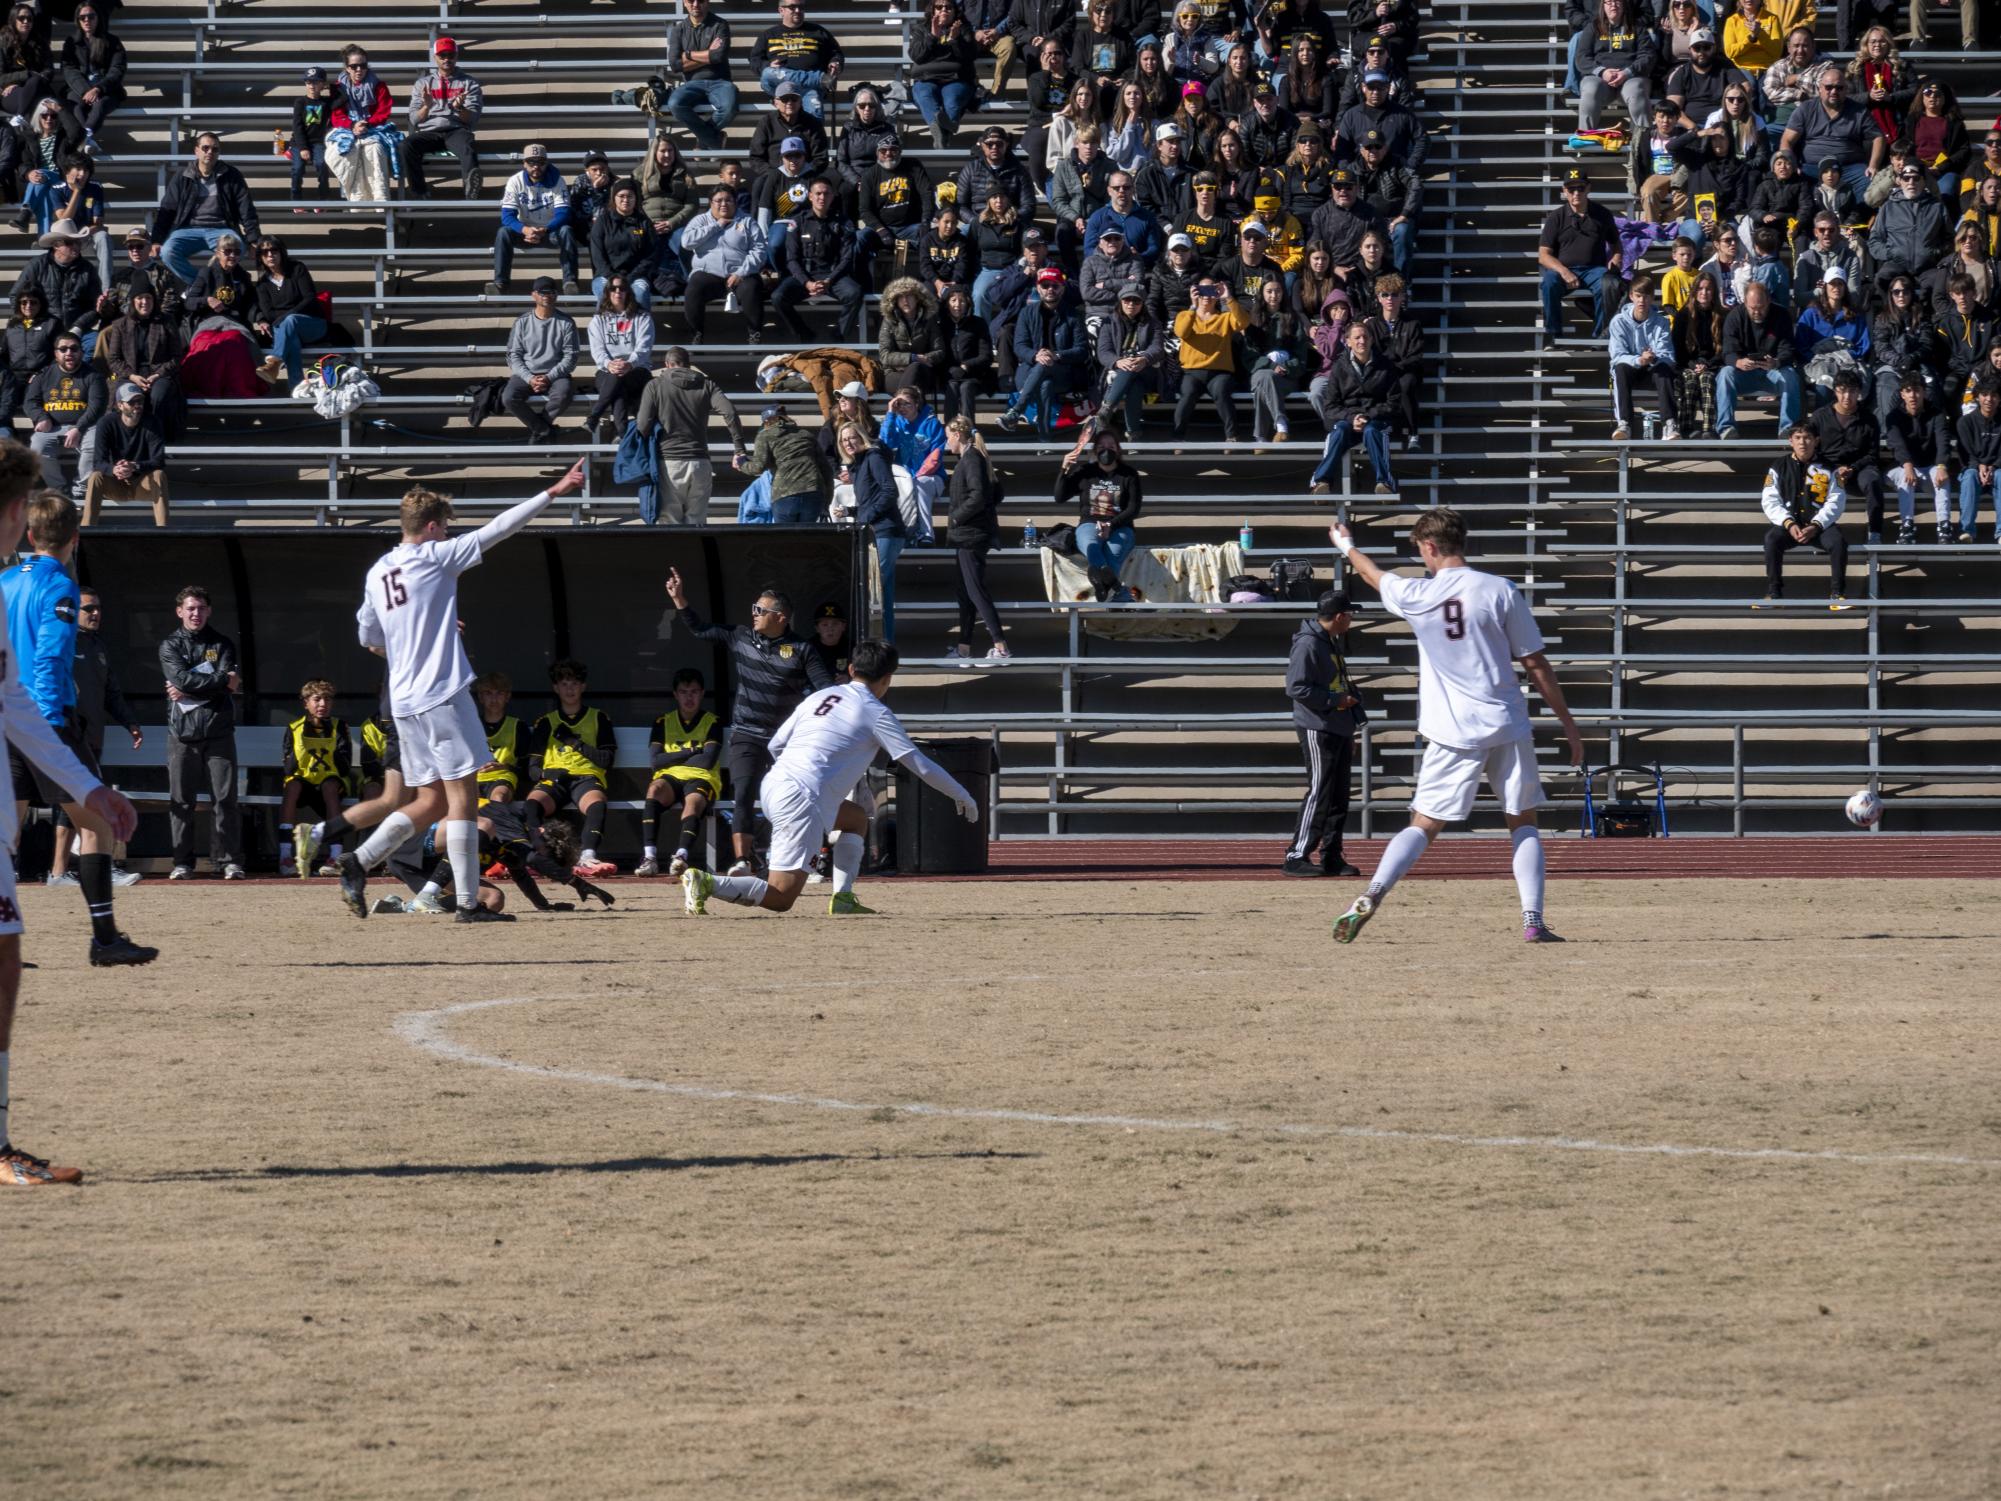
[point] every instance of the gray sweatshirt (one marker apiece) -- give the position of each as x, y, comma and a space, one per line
542, 346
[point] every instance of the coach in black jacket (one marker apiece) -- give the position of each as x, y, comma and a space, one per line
1325, 711
200, 666
774, 670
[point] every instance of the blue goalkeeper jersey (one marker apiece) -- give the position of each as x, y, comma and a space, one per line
41, 620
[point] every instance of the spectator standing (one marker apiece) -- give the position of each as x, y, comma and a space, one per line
64, 403
202, 203
290, 312
1847, 441
1803, 501
1642, 347
541, 356
1109, 499
1920, 449
942, 60
362, 141
866, 465
1399, 338
534, 210
802, 479
698, 46
1979, 434
820, 262
312, 118
623, 245
621, 340
1359, 403
681, 401
1579, 251
726, 254
93, 71
445, 105
128, 459
1326, 712
973, 529
1758, 355
200, 666
801, 53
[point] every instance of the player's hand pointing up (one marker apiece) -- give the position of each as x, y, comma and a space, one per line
570, 483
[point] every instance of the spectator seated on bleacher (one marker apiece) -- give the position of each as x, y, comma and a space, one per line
698, 56
969, 354
1803, 501
541, 358
991, 246
128, 459
28, 348
27, 68
1792, 80
1964, 330
1904, 340
1033, 28
945, 252
142, 268
1280, 345
1979, 434
850, 402
202, 202
1402, 133
590, 193
1827, 248
1393, 190
1642, 348
1105, 271
224, 289
445, 105
911, 345
534, 211
288, 311
1052, 353
32, 154
1758, 356
1696, 88
726, 253
1280, 24
1921, 452
994, 163
1012, 291
1079, 188
1130, 344
801, 54
1157, 83
802, 477
1200, 125
1207, 333
1578, 251
64, 403
1309, 91
1340, 223
1969, 258
1359, 405
1698, 356
1832, 130
915, 438
1617, 62
819, 262
1754, 37
624, 245
1101, 50
1053, 91
779, 194
894, 201
1912, 229
1329, 338
1109, 497
1170, 285
621, 340
1246, 272
144, 349
1129, 129
68, 283
854, 148
77, 207
943, 57
1831, 335
667, 198
362, 144
1307, 183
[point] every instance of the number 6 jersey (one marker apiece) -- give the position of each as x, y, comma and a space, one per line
1470, 628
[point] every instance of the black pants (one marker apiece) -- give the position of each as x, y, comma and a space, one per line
458, 141
846, 295
747, 760
1779, 542
1407, 391
1217, 384
191, 764
962, 397
1867, 483
705, 287
515, 396
619, 394
973, 596
1853, 17
1623, 377
1329, 761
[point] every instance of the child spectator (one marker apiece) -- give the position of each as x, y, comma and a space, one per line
943, 256
312, 116
1803, 501
1920, 449
1980, 456
506, 748
969, 354
570, 758
686, 743
1678, 281
317, 760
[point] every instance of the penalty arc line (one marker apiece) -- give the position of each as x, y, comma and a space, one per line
427, 1030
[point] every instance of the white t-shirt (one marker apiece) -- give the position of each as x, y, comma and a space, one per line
830, 739
1470, 628
410, 609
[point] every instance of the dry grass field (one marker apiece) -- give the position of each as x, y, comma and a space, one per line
1017, 1190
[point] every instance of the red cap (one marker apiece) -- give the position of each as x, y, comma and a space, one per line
1051, 276
444, 44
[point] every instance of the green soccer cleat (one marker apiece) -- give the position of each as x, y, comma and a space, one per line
1351, 922
845, 904
696, 886
307, 848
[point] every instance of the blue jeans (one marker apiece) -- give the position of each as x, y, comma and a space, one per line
1602, 286
560, 239
177, 251
42, 199
642, 289
719, 94
774, 237
1375, 440
887, 551
307, 155
1732, 383
798, 510
1572, 73
811, 82
1108, 554
1045, 385
1130, 387
946, 99
1969, 498
1400, 249
290, 336
982, 284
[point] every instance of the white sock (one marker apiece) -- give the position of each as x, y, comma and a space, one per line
389, 837
745, 891
1528, 868
588, 857
462, 849
320, 829
1399, 856
3, 1100
430, 889
652, 851
847, 861
1942, 505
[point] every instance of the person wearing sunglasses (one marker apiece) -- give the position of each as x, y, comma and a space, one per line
1911, 230
801, 53
289, 312
203, 202
1832, 128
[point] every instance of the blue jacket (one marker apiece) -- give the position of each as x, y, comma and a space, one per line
1142, 232
1061, 332
912, 442
638, 458
875, 494
1630, 340
41, 620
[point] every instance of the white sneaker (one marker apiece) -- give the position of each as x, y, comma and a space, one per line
234, 872
1621, 432
1671, 433
181, 873
677, 865
430, 906
742, 868
120, 876
997, 656
65, 879
650, 866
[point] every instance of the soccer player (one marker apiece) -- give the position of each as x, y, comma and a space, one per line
818, 756
685, 744
382, 792
570, 754
1471, 629
42, 602
28, 732
500, 778
409, 616
317, 759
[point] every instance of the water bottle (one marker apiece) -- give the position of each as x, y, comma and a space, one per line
1647, 426
1244, 537
1031, 537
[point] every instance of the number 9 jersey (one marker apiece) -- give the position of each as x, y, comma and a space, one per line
1470, 628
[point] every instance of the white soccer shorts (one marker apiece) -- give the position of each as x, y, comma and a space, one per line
799, 822
442, 744
1449, 779
10, 905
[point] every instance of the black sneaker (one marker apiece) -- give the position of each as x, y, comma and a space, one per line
120, 950
1337, 867
480, 914
354, 885
1301, 868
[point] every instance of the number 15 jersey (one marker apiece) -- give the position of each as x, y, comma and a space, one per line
1470, 628
410, 609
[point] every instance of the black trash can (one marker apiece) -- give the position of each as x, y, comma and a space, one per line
931, 837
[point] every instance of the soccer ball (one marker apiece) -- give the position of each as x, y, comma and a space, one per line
1864, 809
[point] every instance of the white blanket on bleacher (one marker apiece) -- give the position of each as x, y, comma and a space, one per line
1156, 575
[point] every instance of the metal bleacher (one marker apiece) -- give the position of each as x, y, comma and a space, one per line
1641, 560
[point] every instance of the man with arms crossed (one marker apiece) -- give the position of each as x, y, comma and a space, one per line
819, 754
1471, 629
36, 739
409, 616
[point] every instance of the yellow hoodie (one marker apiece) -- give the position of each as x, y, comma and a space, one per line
1205, 342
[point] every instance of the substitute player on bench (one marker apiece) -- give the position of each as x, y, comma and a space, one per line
686, 742
570, 755
1471, 629
409, 616
818, 756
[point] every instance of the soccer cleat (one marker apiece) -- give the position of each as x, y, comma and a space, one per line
65, 879
696, 886
678, 864
647, 867
120, 950
591, 870
354, 885
1351, 922
19, 1170
389, 906
846, 904
1535, 930
427, 906
482, 914
306, 844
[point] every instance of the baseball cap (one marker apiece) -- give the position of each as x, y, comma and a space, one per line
1375, 75
1033, 237
993, 133
444, 44
534, 151
830, 609
888, 142
129, 392
1180, 242
1833, 273
1167, 130
1702, 35
772, 409
547, 284
315, 74
1381, 41
1373, 138
1190, 89
1131, 289
792, 146
1575, 178
1263, 90
1342, 178
786, 91
596, 158
137, 237
854, 390
1050, 276
1254, 227
1111, 232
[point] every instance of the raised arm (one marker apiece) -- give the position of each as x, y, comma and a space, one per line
510, 521
1364, 566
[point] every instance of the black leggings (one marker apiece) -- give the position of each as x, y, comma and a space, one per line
746, 761
973, 596
705, 287
619, 394
1217, 384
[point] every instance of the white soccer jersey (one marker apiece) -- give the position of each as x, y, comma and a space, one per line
1470, 628
410, 609
832, 737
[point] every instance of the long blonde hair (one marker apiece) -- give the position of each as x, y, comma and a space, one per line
962, 428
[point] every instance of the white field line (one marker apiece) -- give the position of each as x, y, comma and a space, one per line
427, 1030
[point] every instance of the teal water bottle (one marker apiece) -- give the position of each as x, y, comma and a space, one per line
1245, 537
